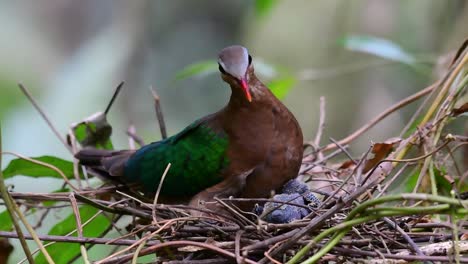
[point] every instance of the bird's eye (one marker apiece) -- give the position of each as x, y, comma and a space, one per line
250, 59
221, 69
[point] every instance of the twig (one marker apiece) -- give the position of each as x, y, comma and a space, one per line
79, 227
354, 252
200, 261
131, 140
137, 252
321, 122
156, 196
343, 149
418, 111
117, 210
72, 239
358, 165
404, 235
114, 96
239, 258
9, 205
447, 82
156, 247
270, 258
159, 114
44, 116
67, 235
352, 219
307, 167
136, 138
138, 242
33, 234
384, 114
389, 182
445, 88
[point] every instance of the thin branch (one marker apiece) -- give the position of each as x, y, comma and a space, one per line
155, 248
44, 116
114, 96
132, 135
404, 235
81, 240
384, 114
355, 252
156, 196
11, 210
321, 125
79, 227
33, 234
159, 114
239, 258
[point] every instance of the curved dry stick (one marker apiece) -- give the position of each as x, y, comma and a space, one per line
44, 116
180, 243
239, 258
384, 114
156, 196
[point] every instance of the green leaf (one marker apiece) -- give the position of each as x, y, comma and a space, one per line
94, 131
281, 87
197, 69
443, 185
378, 47
27, 168
411, 181
65, 252
263, 7
5, 221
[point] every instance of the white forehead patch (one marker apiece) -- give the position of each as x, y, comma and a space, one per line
234, 60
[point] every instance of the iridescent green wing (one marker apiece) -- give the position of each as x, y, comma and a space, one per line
197, 156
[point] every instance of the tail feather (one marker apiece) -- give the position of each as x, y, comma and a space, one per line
110, 162
115, 165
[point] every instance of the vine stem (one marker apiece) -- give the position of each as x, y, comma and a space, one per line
11, 210
352, 220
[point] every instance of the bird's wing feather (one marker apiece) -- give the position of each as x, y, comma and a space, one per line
197, 156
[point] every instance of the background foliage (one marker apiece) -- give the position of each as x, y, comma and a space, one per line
361, 55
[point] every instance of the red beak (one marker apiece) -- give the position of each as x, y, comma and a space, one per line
245, 87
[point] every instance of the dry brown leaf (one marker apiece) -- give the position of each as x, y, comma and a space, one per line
460, 110
347, 164
380, 151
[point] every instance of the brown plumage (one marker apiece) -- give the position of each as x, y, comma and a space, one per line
264, 148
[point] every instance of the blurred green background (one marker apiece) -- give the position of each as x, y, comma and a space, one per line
72, 54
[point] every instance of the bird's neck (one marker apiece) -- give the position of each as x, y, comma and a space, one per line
258, 91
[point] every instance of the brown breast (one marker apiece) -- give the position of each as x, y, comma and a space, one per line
263, 135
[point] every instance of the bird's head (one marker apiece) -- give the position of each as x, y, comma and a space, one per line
234, 64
